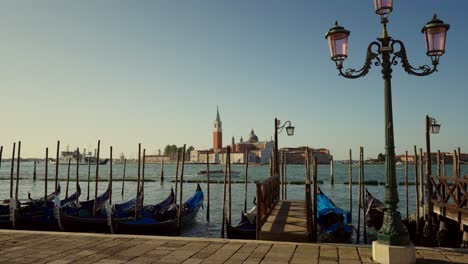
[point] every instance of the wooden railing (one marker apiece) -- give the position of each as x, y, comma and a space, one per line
450, 193
267, 198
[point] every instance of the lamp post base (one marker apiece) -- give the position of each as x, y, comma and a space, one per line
386, 254
393, 231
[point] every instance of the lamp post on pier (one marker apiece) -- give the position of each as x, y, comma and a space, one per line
382, 53
289, 131
431, 127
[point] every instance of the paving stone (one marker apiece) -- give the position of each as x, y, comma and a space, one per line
59, 261
280, 252
63, 248
110, 261
193, 261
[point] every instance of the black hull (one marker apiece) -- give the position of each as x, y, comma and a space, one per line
339, 236
166, 228
27, 223
234, 232
83, 224
5, 222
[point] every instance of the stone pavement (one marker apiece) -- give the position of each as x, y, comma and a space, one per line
61, 248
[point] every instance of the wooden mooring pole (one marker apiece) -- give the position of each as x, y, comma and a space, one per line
332, 175
406, 185
350, 184
444, 171
285, 176
143, 177
246, 179
416, 183
358, 233
57, 162
422, 184
34, 171
46, 167
314, 202
110, 173
12, 169
230, 186
208, 186
18, 162
363, 197
97, 178
223, 221
177, 172
123, 176
438, 163
162, 171
68, 178
137, 205
282, 175
17, 205
89, 178
77, 185
181, 192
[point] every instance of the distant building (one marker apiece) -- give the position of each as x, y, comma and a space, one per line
297, 155
156, 158
446, 156
259, 151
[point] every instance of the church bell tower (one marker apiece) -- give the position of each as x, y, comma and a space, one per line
217, 132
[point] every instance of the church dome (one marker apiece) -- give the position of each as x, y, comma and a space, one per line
252, 137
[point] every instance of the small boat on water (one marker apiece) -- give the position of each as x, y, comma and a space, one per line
77, 158
39, 214
158, 219
246, 228
374, 211
334, 222
80, 216
217, 173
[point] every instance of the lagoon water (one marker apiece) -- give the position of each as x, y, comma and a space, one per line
155, 191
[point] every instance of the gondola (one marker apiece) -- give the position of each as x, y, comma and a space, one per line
246, 228
78, 216
334, 222
39, 214
23, 209
159, 219
374, 211
5, 221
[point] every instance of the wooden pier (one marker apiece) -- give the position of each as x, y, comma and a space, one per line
279, 219
287, 222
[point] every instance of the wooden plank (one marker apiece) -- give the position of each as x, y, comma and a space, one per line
452, 214
287, 222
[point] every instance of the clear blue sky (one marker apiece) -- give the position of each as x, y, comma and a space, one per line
154, 71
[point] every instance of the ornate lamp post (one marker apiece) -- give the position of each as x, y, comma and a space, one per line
431, 127
383, 53
289, 131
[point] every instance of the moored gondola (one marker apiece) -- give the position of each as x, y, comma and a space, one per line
246, 228
82, 216
374, 211
334, 222
41, 214
159, 219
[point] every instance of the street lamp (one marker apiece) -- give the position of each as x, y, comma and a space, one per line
431, 127
382, 53
289, 131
